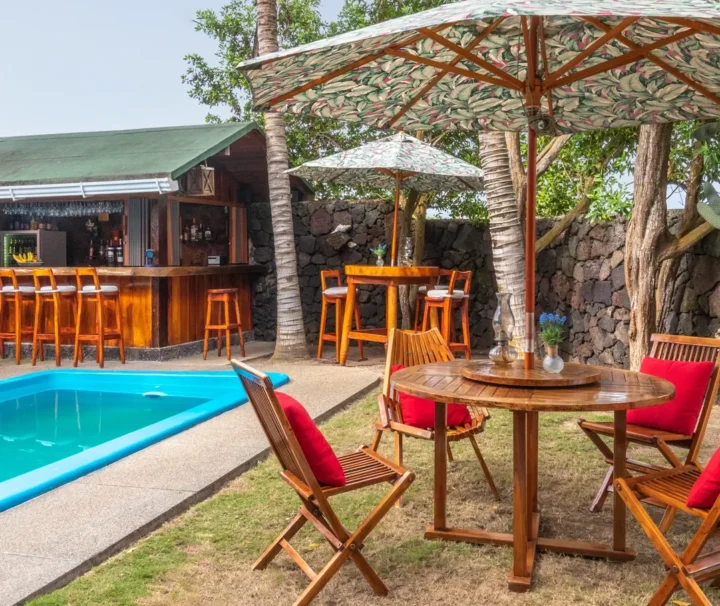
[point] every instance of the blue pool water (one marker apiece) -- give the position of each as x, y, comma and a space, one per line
56, 426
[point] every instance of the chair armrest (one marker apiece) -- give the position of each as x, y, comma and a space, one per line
384, 404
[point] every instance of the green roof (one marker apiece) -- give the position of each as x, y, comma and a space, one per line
113, 155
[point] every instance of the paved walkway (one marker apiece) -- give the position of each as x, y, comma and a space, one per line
48, 541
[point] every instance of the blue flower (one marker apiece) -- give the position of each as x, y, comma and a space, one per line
543, 318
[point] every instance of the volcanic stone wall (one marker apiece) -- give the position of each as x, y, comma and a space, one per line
580, 275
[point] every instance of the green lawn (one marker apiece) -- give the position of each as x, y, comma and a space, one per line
204, 556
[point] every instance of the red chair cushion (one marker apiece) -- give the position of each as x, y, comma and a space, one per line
420, 412
680, 414
319, 454
707, 487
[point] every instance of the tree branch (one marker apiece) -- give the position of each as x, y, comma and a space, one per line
680, 245
549, 153
578, 210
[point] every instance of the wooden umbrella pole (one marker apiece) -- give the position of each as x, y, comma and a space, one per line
396, 216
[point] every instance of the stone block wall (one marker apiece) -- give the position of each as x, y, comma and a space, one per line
581, 275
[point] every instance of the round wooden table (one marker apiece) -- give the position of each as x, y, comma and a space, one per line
618, 391
391, 277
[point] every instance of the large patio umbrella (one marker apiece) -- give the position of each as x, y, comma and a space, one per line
398, 161
551, 66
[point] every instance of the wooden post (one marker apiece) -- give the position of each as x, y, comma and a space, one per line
619, 471
440, 496
396, 216
520, 496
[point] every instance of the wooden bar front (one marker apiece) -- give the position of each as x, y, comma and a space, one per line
160, 306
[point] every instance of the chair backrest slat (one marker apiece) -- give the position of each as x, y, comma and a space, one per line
41, 274
692, 349
329, 274
87, 272
460, 276
409, 348
8, 274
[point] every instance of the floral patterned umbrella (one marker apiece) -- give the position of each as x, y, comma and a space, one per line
552, 66
398, 161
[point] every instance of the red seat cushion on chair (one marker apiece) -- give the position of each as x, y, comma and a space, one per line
707, 487
420, 412
680, 414
319, 454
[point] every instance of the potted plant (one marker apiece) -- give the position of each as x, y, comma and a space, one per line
552, 332
379, 251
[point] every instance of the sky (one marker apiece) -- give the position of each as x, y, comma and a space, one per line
85, 65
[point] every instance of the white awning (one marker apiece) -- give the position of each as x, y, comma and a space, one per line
85, 190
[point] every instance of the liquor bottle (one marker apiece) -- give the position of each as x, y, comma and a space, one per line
120, 255
193, 231
208, 234
111, 256
201, 233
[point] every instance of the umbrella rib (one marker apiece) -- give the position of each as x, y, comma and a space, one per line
343, 70
451, 68
639, 51
546, 68
701, 26
430, 85
599, 43
660, 63
466, 54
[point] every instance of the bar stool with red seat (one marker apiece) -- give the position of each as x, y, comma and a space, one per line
223, 296
91, 291
335, 295
448, 301
14, 295
49, 293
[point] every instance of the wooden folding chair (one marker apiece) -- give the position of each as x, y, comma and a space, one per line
362, 468
670, 487
410, 348
664, 347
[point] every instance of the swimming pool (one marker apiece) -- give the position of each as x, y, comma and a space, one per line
58, 425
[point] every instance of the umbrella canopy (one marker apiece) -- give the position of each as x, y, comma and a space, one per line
551, 66
398, 161
418, 165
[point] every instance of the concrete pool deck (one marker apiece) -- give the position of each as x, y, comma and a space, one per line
49, 540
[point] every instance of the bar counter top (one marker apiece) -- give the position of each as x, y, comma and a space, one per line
157, 272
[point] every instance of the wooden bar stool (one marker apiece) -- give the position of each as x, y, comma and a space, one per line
91, 291
14, 296
447, 301
223, 296
335, 295
422, 293
48, 292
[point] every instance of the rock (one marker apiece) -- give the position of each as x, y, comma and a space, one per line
360, 239
371, 216
607, 323
467, 240
689, 301
621, 298
619, 351
343, 218
561, 285
583, 251
602, 293
597, 249
306, 244
621, 332
617, 257
319, 259
607, 358
605, 270
578, 272
303, 259
617, 277
357, 211
263, 254
685, 325
337, 240
704, 273
714, 303
321, 222
591, 270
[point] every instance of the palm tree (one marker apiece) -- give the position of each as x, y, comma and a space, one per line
506, 232
291, 342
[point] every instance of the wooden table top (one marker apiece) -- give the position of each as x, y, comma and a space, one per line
617, 390
398, 271
168, 271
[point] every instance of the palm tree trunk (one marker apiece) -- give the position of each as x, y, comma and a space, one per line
290, 342
505, 229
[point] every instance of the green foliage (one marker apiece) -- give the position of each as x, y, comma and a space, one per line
553, 329
707, 142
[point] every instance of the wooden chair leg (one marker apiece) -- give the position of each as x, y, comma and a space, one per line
339, 315
100, 303
418, 305
56, 328
603, 492
208, 319
376, 440
118, 317
426, 317
449, 452
323, 321
240, 326
228, 337
276, 546
36, 327
398, 457
485, 469
76, 350
18, 328
361, 357
667, 519
465, 319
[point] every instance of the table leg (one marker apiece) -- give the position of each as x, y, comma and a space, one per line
347, 321
391, 308
532, 470
440, 496
520, 576
620, 471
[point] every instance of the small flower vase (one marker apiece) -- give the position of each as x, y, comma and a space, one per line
553, 362
380, 262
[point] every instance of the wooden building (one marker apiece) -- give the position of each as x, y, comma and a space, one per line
160, 212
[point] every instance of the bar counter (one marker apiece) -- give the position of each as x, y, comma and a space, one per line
163, 306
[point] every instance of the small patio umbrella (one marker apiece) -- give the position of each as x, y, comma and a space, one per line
551, 66
398, 161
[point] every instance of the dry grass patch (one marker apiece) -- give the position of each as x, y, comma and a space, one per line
204, 557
